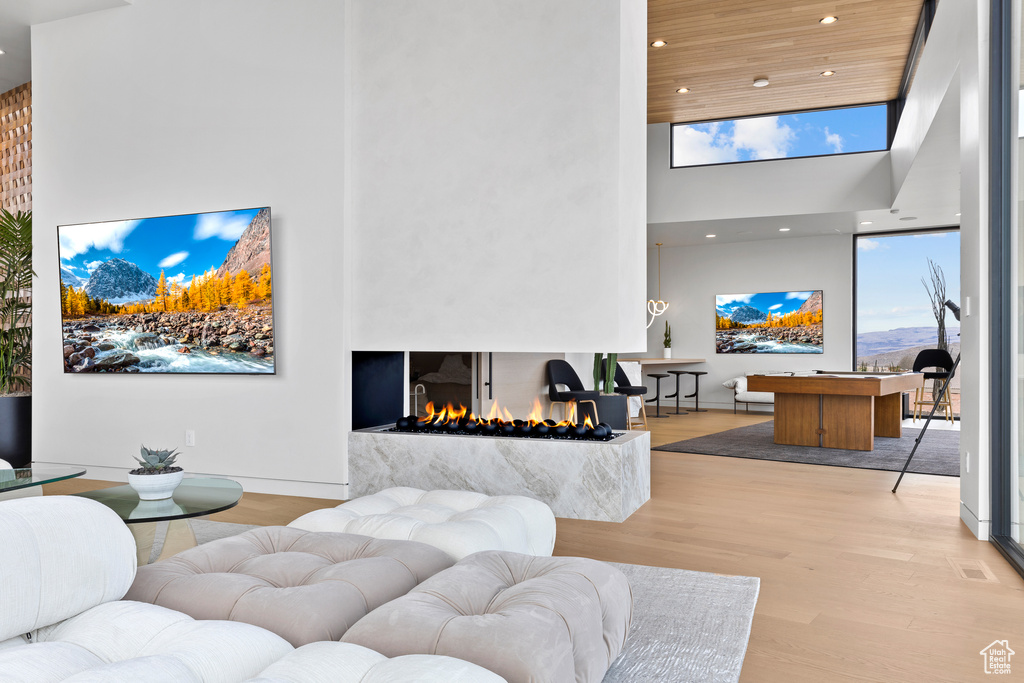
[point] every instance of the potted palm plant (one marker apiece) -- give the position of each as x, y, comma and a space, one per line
15, 338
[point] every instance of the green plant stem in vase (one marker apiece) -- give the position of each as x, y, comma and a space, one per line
609, 375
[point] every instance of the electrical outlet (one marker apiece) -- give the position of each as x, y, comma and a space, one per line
190, 437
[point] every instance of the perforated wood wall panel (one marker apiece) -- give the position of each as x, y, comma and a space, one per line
16, 149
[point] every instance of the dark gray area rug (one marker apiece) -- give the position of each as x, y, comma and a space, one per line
939, 452
688, 627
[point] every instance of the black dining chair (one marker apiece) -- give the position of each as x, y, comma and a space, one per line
624, 387
943, 364
560, 372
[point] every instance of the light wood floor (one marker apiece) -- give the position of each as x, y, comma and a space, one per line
856, 583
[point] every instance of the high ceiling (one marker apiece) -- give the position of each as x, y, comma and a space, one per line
716, 48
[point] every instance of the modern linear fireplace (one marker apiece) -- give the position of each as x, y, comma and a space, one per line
581, 471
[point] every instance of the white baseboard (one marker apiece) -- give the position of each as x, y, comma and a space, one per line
280, 487
980, 528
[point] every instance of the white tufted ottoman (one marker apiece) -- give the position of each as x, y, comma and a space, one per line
327, 662
527, 619
303, 586
458, 522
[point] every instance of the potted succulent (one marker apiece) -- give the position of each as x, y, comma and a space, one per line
15, 338
157, 477
668, 340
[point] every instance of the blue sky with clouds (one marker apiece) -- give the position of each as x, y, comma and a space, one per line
776, 303
889, 272
834, 131
181, 246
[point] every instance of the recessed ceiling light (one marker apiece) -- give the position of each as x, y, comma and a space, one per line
659, 43
709, 235
865, 222
2, 52
783, 229
760, 82
683, 91
909, 218
957, 214
828, 73
828, 20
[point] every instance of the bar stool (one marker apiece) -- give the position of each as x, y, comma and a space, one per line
678, 393
696, 390
658, 376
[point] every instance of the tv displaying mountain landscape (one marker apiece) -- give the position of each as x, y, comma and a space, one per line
174, 294
773, 322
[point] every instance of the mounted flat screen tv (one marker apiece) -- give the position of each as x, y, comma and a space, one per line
772, 322
185, 294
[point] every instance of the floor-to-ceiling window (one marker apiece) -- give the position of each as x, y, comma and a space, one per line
903, 280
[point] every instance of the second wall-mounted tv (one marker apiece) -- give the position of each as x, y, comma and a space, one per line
770, 322
173, 294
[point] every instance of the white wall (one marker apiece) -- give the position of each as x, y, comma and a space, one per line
693, 276
177, 106
851, 182
498, 174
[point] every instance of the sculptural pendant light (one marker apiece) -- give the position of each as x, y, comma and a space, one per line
656, 308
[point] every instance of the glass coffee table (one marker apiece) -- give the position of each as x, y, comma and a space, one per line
19, 482
196, 497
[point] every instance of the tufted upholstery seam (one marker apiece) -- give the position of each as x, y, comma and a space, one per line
440, 631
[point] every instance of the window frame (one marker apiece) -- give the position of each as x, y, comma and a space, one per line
890, 124
853, 312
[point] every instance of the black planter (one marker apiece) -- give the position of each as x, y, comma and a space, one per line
16, 430
610, 409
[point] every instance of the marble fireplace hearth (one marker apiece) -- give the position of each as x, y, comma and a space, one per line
605, 481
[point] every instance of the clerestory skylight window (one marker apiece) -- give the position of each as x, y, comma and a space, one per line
781, 136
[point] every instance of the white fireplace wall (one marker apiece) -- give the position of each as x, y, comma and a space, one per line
498, 174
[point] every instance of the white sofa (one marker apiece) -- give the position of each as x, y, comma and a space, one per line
742, 395
458, 522
66, 563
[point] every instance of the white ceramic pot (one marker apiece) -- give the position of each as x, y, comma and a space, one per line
668, 352
155, 486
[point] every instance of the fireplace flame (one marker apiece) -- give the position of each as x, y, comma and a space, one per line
536, 415
499, 421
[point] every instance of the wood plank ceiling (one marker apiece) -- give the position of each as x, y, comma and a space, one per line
716, 48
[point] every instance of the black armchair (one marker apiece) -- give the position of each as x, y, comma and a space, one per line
561, 373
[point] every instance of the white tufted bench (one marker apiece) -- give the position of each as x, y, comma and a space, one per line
536, 619
458, 522
303, 586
